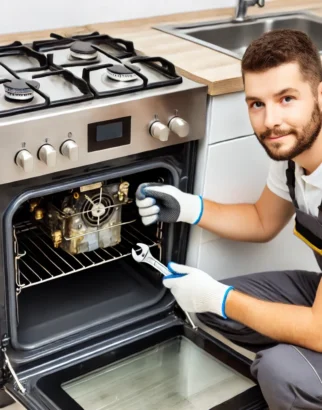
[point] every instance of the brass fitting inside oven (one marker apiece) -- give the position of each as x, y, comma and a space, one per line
123, 192
57, 238
33, 204
39, 214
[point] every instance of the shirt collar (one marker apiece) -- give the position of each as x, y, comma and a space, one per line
314, 179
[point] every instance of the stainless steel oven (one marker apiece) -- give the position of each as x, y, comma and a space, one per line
84, 121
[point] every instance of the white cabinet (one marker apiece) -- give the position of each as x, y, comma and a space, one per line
235, 172
229, 117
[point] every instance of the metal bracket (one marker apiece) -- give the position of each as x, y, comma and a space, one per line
4, 343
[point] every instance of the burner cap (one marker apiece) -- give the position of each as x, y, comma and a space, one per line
83, 51
121, 73
18, 90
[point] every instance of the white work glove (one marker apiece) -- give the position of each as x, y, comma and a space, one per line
196, 291
165, 203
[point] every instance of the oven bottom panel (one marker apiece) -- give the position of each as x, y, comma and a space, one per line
102, 294
176, 368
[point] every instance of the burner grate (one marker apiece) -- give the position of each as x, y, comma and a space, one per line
15, 49
156, 64
120, 48
44, 100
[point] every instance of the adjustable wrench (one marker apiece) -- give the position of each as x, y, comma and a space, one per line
146, 257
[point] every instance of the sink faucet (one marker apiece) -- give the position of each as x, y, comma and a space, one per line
242, 6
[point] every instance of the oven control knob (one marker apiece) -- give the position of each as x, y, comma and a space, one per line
25, 160
179, 127
159, 131
69, 149
47, 154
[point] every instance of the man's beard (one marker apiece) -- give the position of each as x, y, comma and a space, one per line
304, 139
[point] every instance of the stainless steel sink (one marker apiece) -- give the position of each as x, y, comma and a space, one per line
232, 38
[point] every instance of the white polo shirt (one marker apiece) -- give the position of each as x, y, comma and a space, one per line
308, 188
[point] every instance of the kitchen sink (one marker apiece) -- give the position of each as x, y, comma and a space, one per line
232, 38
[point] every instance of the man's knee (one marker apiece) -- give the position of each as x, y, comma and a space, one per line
235, 331
287, 379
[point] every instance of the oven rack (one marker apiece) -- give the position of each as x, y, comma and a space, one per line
37, 261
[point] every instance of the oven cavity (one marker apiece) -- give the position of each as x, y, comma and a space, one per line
70, 231
74, 269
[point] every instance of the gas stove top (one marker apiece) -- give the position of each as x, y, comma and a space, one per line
60, 71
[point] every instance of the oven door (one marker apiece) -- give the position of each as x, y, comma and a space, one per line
164, 364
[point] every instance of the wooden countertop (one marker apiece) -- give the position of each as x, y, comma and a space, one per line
221, 73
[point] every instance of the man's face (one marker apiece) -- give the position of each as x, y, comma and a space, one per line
283, 110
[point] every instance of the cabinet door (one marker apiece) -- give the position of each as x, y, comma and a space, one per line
228, 117
236, 172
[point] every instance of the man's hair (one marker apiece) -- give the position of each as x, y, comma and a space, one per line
278, 47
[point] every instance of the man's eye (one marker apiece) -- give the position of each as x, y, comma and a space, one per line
288, 99
257, 104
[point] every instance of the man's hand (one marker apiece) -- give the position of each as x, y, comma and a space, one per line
196, 291
165, 203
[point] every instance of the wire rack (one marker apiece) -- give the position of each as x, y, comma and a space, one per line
37, 261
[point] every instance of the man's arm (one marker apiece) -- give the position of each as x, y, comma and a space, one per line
196, 291
297, 325
259, 222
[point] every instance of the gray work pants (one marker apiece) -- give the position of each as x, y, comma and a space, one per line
290, 377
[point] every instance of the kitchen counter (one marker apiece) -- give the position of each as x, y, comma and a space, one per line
221, 73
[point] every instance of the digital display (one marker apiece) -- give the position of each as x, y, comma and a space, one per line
110, 131
109, 134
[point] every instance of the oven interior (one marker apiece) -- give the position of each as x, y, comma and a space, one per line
73, 263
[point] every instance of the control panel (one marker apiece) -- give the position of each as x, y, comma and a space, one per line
101, 135
98, 132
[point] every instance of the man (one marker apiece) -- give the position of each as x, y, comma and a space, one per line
282, 77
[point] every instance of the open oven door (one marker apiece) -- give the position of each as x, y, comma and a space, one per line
163, 364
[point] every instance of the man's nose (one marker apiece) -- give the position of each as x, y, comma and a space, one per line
272, 117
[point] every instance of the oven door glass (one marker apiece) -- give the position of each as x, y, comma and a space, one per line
175, 374
169, 366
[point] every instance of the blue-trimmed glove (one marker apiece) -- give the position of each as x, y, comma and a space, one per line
196, 291
165, 203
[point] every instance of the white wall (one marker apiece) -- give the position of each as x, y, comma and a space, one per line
29, 15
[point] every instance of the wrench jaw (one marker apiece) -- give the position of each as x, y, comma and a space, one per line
146, 257
136, 256
144, 250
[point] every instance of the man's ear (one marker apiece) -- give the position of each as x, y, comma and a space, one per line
320, 95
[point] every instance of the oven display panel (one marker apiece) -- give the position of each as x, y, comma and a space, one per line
109, 134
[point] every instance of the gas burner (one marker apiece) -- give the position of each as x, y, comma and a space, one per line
81, 50
119, 72
18, 90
